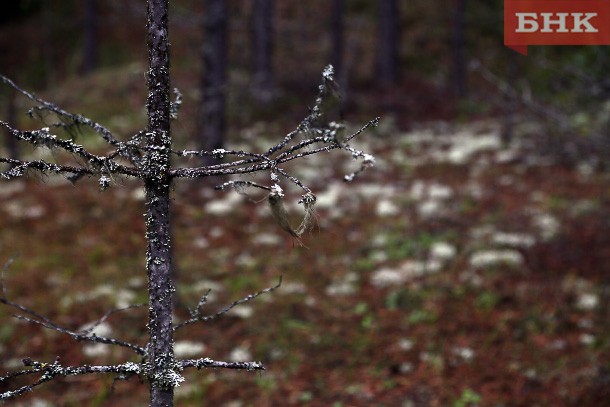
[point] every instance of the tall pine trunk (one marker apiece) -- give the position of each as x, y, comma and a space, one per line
157, 185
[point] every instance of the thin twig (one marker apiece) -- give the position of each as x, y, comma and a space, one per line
201, 318
84, 336
75, 118
210, 363
50, 371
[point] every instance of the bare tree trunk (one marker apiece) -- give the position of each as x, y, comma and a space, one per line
212, 117
337, 52
458, 43
388, 40
90, 46
157, 184
262, 27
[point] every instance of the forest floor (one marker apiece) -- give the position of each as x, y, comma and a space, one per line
458, 271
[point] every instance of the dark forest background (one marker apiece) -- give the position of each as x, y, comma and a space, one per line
469, 267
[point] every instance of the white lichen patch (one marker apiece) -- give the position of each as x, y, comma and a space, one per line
429, 208
245, 260
242, 311
266, 239
202, 286
386, 207
442, 251
465, 144
293, 288
8, 189
240, 354
329, 198
439, 191
547, 225
464, 353
405, 344
103, 329
124, 298
429, 197
374, 190
490, 258
517, 240
387, 277
18, 210
188, 349
138, 194
96, 350
587, 339
37, 402
225, 205
407, 271
587, 301
345, 285
200, 242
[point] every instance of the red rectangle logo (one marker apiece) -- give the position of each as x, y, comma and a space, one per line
556, 22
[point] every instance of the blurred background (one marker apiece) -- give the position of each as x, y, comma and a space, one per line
469, 267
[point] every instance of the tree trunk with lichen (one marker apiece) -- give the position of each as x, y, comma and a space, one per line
157, 184
146, 156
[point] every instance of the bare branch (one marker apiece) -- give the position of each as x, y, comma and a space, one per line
311, 127
199, 172
74, 118
43, 137
84, 336
104, 317
50, 371
238, 185
210, 363
20, 167
198, 317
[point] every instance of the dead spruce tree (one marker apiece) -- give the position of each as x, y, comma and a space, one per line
147, 156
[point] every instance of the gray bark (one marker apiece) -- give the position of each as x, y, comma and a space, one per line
157, 184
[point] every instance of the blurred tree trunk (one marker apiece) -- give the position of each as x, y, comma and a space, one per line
90, 46
337, 23
212, 115
458, 43
47, 49
262, 38
388, 41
